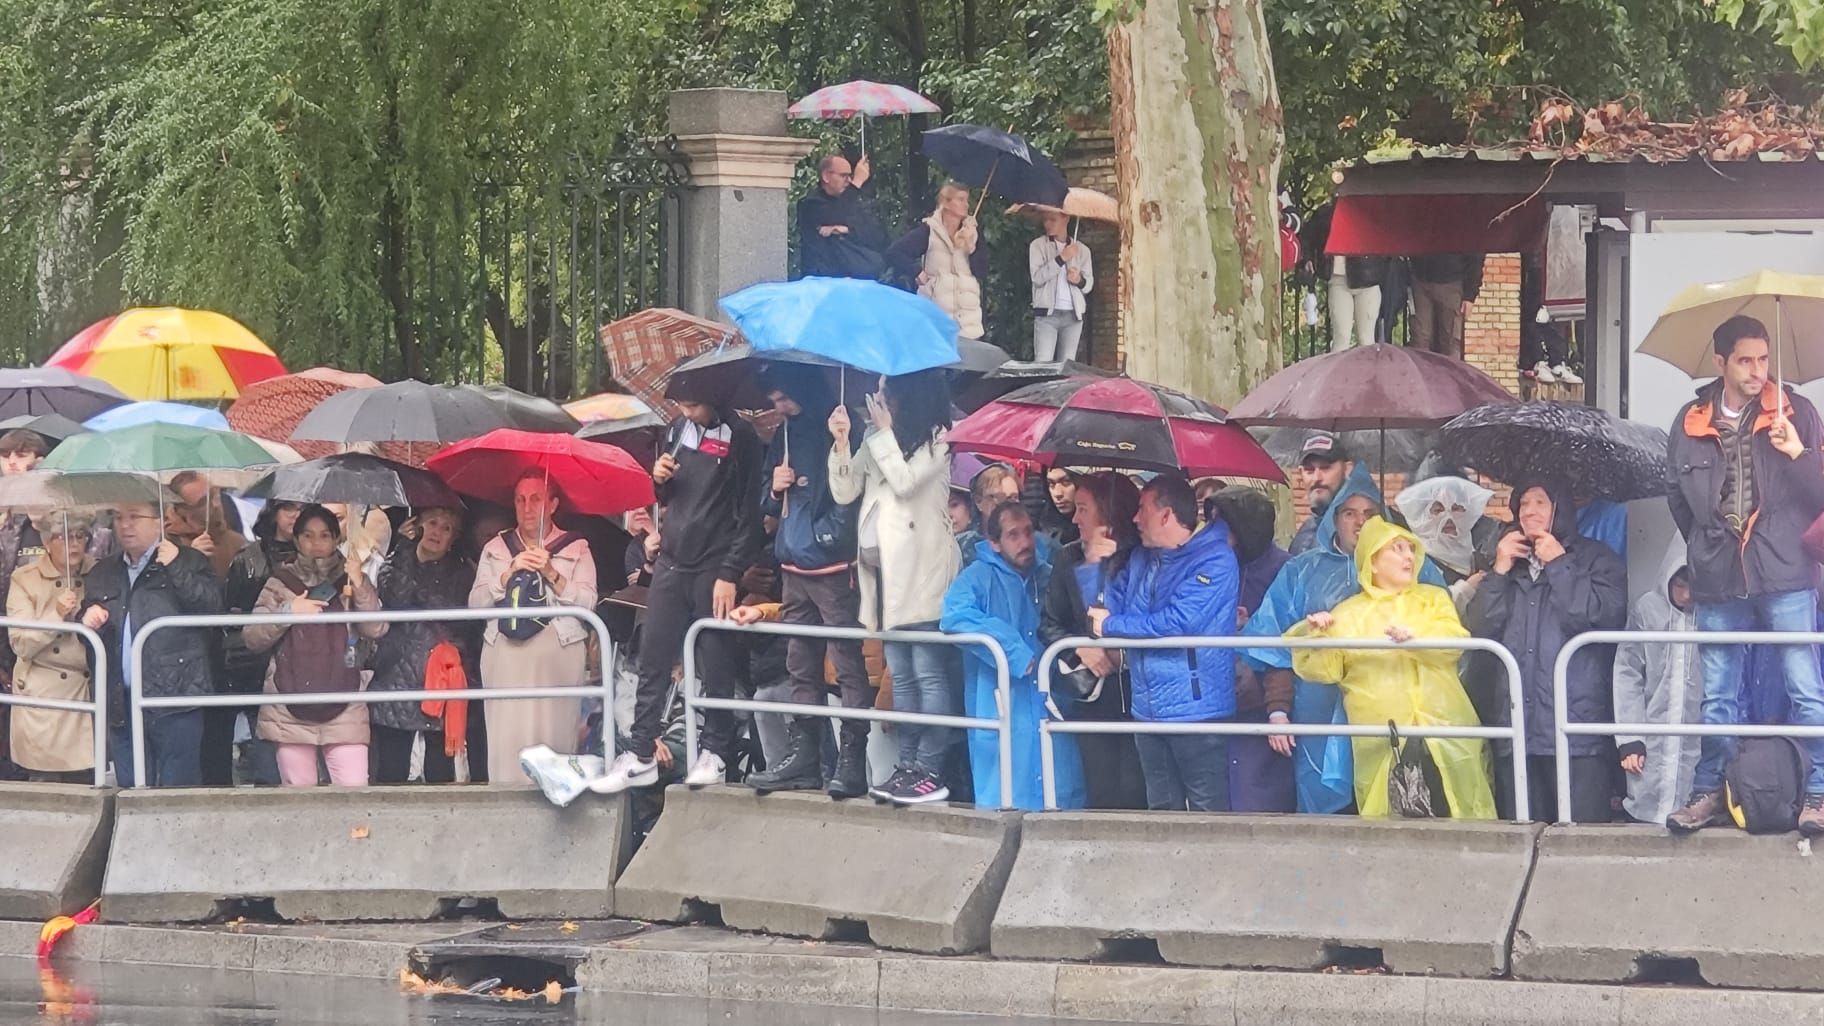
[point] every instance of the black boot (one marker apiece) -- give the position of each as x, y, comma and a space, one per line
799, 770
851, 779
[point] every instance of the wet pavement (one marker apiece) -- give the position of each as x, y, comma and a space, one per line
99, 994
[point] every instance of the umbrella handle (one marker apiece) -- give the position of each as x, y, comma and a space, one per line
979, 200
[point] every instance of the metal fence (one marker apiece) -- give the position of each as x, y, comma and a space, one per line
96, 707
1001, 724
1567, 730
1055, 724
139, 702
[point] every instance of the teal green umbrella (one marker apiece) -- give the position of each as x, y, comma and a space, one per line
156, 450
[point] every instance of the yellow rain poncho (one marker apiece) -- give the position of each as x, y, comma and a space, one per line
1411, 688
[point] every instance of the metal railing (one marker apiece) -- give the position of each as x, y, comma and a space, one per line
1514, 732
1566, 729
96, 707
139, 702
1002, 723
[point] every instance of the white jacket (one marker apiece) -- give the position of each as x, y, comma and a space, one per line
906, 503
952, 286
1659, 684
1042, 264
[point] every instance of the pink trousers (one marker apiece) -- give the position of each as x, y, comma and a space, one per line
347, 764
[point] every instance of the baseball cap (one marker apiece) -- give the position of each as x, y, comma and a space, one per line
1322, 445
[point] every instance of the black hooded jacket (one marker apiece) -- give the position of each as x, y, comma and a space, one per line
1585, 589
858, 253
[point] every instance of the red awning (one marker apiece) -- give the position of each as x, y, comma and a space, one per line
1419, 225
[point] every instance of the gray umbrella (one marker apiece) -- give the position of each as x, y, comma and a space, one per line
1587, 447
412, 411
36, 390
55, 427
529, 412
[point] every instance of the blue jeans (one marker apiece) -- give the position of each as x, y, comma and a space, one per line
1185, 771
921, 683
174, 750
1725, 667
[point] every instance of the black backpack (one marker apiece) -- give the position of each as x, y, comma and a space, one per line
526, 589
1765, 784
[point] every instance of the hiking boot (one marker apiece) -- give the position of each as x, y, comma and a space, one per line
851, 779
708, 769
799, 770
1701, 811
1811, 817
883, 791
921, 789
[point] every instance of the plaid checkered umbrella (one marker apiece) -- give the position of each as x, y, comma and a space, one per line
272, 408
860, 98
642, 348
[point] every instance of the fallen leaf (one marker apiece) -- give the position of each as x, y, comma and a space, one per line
553, 992
511, 994
568, 927
359, 833
513, 926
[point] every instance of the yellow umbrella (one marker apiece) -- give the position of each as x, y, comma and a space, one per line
170, 353
1790, 305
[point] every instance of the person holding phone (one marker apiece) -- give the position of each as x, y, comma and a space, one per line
315, 658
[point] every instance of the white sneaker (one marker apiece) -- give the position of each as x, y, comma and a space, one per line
1542, 372
708, 769
560, 777
626, 771
1566, 376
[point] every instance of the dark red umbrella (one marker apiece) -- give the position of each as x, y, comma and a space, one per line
1368, 387
596, 479
1088, 421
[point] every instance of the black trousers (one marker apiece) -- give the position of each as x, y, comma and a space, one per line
830, 600
677, 599
1592, 788
392, 750
218, 744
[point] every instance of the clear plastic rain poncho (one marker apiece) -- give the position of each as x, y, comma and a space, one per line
1410, 688
1443, 511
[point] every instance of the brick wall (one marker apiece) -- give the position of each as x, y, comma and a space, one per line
1089, 163
1491, 337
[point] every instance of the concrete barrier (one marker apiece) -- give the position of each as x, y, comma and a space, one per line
919, 879
52, 848
1619, 903
338, 854
1269, 892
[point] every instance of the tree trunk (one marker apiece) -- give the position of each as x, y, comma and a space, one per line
1198, 137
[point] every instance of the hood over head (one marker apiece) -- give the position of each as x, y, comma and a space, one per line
1250, 516
1359, 482
1377, 534
1414, 504
1564, 511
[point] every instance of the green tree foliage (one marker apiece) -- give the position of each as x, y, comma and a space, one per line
1798, 25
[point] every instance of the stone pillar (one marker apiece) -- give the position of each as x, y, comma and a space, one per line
735, 209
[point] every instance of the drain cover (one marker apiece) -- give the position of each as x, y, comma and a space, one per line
543, 942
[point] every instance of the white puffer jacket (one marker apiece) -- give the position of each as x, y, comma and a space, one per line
953, 286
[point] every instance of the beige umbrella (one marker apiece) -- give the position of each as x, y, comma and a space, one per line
1085, 203
1791, 305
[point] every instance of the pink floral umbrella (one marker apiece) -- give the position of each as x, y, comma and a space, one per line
862, 99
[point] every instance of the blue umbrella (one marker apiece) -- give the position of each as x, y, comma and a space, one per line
157, 412
864, 324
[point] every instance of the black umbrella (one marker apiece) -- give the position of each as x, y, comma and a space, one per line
412, 411
528, 412
729, 376
1514, 442
38, 390
639, 434
999, 162
355, 478
1017, 374
55, 427
977, 357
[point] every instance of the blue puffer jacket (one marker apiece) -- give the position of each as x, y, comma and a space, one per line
816, 532
1189, 590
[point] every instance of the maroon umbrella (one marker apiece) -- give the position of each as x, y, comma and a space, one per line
1369, 387
1086, 421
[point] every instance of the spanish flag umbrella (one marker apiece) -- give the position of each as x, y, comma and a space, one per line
170, 353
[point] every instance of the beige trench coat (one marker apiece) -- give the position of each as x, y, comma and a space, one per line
52, 664
277, 724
